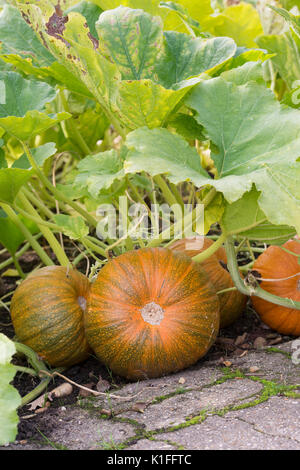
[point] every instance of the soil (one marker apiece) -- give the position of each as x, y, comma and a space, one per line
236, 340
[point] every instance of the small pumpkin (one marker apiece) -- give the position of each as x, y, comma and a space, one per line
275, 263
47, 311
151, 312
232, 303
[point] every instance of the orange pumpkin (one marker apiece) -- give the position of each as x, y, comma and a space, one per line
232, 303
151, 312
47, 311
275, 263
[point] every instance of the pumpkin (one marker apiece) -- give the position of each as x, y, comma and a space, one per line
275, 263
151, 312
47, 311
232, 303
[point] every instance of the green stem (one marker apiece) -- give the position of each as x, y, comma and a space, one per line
75, 132
91, 245
58, 194
229, 289
182, 223
31, 356
27, 234
211, 250
18, 267
37, 202
52, 240
257, 291
167, 193
36, 392
26, 370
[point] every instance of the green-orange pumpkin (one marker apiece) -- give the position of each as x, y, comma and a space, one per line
275, 263
232, 303
151, 312
47, 311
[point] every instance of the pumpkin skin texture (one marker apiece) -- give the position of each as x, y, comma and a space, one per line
47, 311
232, 303
276, 263
151, 312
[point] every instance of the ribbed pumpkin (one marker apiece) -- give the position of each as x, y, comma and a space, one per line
275, 263
232, 303
47, 311
151, 312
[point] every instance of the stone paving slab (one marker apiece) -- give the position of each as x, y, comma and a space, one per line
175, 410
253, 403
224, 433
148, 390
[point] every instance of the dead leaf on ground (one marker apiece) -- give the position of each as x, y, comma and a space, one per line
58, 392
102, 385
139, 407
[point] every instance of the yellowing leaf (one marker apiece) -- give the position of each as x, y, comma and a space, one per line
240, 22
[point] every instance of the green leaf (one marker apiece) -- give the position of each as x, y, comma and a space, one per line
250, 129
73, 227
11, 181
24, 95
250, 71
292, 20
281, 202
186, 126
99, 171
132, 56
22, 115
144, 103
269, 233
185, 57
286, 48
18, 38
40, 155
172, 157
132, 39
3, 162
10, 399
190, 24
243, 214
10, 236
90, 11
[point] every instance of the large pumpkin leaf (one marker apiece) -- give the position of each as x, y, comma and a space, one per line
172, 157
132, 73
90, 11
23, 48
132, 39
240, 22
248, 126
170, 17
22, 112
286, 50
18, 38
281, 203
10, 399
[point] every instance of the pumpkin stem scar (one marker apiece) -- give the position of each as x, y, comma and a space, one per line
152, 313
82, 303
